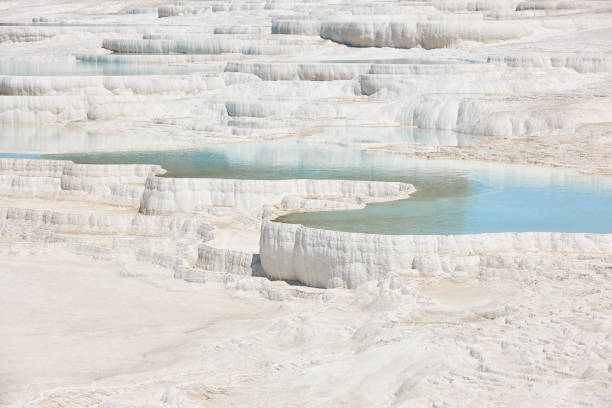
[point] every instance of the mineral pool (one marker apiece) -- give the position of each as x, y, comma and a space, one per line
452, 197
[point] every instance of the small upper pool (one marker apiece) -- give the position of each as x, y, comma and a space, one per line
84, 68
453, 197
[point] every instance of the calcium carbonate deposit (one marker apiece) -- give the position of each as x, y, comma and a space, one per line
435, 229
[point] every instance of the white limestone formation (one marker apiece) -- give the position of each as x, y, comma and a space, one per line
125, 224
339, 259
430, 34
25, 34
168, 11
203, 61
20, 109
299, 71
298, 27
98, 85
169, 195
62, 180
578, 63
210, 46
122, 287
225, 260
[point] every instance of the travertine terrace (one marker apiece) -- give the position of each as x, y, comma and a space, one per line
125, 288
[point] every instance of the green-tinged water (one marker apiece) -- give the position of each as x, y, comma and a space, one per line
452, 198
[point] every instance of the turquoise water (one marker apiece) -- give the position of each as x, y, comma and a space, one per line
453, 197
19, 156
80, 68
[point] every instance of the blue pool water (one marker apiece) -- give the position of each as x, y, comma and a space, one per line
82, 68
453, 197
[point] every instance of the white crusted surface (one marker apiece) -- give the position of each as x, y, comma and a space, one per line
331, 258
139, 335
100, 85
167, 195
90, 313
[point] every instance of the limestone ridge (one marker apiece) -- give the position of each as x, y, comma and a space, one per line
138, 203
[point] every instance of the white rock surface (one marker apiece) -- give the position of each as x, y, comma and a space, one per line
168, 195
99, 85
122, 288
331, 258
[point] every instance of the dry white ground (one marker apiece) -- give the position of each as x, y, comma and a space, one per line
78, 332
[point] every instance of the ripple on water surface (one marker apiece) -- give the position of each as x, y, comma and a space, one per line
453, 197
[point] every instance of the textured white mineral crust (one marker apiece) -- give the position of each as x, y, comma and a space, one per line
340, 259
167, 195
99, 85
123, 288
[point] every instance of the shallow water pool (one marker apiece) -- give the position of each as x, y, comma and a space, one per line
453, 197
